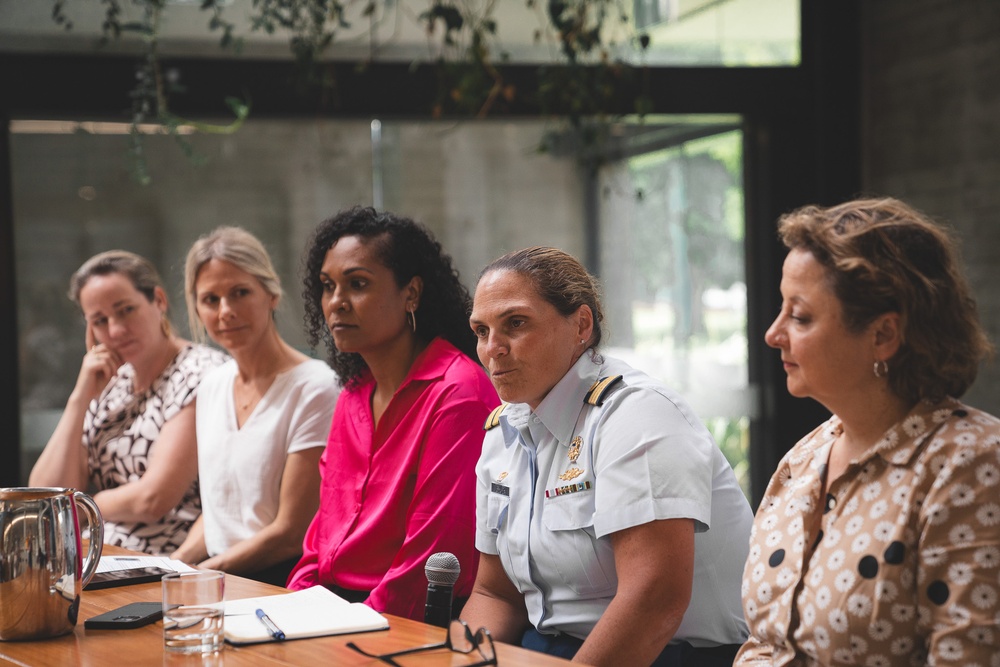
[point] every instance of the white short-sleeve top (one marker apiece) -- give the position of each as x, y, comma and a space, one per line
240, 469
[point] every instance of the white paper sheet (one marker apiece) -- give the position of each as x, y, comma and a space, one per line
112, 563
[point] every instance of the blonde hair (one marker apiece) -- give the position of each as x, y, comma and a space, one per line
229, 244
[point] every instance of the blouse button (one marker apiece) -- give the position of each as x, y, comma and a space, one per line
831, 502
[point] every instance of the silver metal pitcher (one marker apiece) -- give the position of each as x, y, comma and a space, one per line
41, 570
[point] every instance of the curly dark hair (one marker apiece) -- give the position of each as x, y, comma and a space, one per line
883, 256
408, 249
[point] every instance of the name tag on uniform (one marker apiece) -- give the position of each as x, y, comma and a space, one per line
500, 488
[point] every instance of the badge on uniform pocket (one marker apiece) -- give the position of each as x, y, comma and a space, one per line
569, 488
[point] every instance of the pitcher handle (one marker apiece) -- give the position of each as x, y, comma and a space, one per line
96, 525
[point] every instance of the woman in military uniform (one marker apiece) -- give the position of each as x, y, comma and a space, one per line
611, 528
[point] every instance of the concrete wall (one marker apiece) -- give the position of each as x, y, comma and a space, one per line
931, 119
480, 187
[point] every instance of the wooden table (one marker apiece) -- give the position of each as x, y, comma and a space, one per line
144, 646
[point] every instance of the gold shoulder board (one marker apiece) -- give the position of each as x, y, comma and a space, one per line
600, 389
494, 419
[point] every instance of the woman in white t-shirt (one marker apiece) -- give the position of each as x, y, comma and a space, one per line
262, 418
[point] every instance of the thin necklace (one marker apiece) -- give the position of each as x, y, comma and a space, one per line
249, 402
253, 399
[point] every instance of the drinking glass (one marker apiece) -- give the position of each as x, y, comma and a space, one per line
193, 611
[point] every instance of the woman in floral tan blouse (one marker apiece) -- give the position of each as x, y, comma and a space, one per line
877, 542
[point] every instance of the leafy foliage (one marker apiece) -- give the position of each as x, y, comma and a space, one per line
585, 86
733, 438
154, 86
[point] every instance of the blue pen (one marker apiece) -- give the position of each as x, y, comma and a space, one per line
269, 624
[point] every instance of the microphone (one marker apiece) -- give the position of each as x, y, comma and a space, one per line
442, 570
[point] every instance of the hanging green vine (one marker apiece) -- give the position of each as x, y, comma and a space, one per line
468, 80
153, 88
589, 88
584, 85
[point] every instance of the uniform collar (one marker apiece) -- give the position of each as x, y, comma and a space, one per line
560, 409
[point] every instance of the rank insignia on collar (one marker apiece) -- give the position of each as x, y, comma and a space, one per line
572, 473
502, 476
574, 449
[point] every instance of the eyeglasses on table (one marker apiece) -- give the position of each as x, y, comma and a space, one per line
459, 639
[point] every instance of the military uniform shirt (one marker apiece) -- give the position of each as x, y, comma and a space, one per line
553, 485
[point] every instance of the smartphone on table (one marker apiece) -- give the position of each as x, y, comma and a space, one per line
136, 575
132, 615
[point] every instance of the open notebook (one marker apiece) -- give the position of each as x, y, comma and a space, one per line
313, 612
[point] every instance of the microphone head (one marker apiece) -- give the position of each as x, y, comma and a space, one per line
442, 569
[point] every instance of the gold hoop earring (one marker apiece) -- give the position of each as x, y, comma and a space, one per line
165, 327
413, 319
881, 369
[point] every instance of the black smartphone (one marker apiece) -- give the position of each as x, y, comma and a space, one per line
137, 575
134, 615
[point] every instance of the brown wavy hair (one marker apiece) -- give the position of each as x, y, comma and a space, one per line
883, 256
137, 269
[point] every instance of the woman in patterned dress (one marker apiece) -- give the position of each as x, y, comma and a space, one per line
877, 541
128, 431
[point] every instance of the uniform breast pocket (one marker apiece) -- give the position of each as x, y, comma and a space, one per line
583, 562
496, 511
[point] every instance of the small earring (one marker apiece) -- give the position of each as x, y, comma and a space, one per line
413, 319
165, 327
583, 342
880, 369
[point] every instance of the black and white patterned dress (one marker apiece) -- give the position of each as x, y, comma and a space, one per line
119, 432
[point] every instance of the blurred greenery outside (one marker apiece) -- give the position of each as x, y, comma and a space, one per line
689, 298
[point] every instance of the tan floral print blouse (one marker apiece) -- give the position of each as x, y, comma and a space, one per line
899, 564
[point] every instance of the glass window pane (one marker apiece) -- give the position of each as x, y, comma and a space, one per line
671, 259
482, 187
736, 33
672, 224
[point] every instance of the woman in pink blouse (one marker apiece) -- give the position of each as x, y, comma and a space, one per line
399, 481
878, 539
